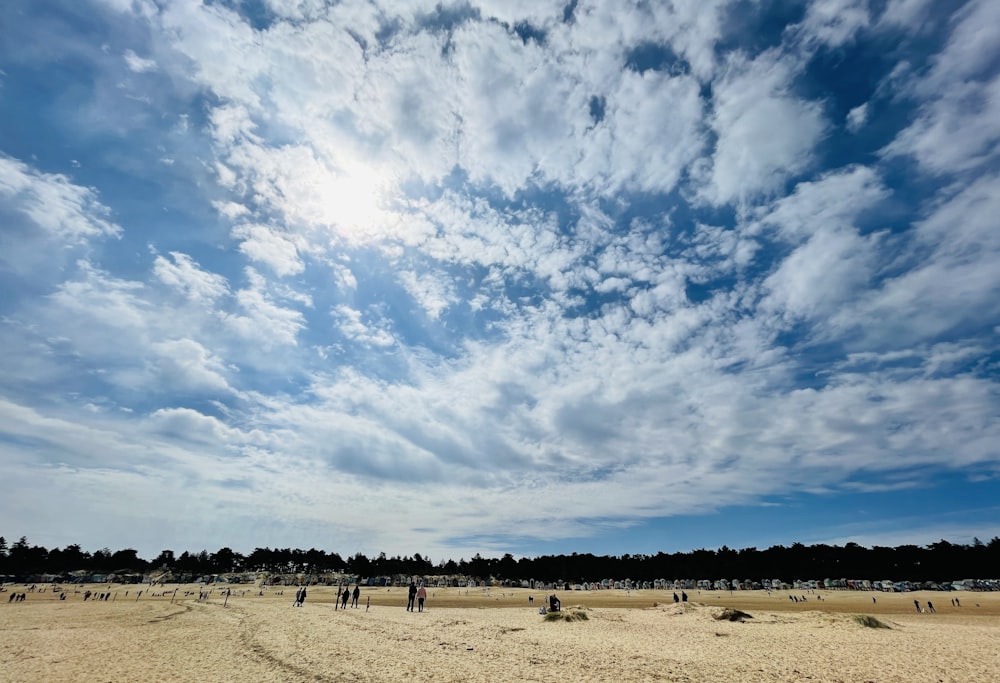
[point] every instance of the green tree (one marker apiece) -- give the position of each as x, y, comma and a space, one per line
226, 560
127, 559
359, 565
164, 559
100, 561
507, 567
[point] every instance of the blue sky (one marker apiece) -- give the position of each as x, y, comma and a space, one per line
499, 276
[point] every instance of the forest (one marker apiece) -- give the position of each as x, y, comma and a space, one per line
941, 561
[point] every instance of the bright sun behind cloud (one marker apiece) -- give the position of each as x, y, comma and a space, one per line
355, 202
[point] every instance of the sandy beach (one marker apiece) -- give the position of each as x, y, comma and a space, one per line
495, 635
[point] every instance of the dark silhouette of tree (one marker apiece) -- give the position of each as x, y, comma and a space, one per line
101, 562
26, 559
359, 565
940, 561
226, 560
127, 559
164, 559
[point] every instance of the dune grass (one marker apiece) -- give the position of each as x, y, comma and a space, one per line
869, 621
569, 614
729, 614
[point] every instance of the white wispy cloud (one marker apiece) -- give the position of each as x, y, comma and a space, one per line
765, 133
183, 274
266, 245
353, 327
53, 204
138, 64
957, 127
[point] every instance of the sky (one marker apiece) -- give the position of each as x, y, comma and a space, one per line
499, 276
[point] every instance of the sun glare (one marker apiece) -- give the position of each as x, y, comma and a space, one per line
355, 202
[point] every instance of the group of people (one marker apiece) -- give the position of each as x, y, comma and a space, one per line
348, 595
17, 597
341, 601
416, 593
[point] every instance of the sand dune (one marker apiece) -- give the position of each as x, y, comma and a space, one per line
495, 636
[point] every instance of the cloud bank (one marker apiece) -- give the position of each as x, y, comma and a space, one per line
470, 277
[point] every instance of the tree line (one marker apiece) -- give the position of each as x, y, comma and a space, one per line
941, 561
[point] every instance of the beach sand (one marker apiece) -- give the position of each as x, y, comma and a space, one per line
495, 635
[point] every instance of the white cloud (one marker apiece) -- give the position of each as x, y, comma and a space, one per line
296, 9
909, 13
138, 64
259, 319
351, 325
264, 244
835, 22
765, 134
431, 290
231, 210
183, 274
187, 364
957, 127
53, 204
652, 132
832, 201
505, 144
832, 267
857, 118
108, 301
185, 424
952, 282
223, 51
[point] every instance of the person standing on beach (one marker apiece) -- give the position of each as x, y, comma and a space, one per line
302, 596
421, 596
354, 596
916, 603
298, 598
345, 597
411, 595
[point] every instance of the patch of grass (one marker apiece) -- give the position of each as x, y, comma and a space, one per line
729, 614
567, 615
869, 621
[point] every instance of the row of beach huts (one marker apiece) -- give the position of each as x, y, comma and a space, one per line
453, 581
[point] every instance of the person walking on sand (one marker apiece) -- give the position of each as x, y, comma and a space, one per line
302, 596
298, 598
411, 596
421, 596
345, 597
354, 596
930, 607
916, 603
